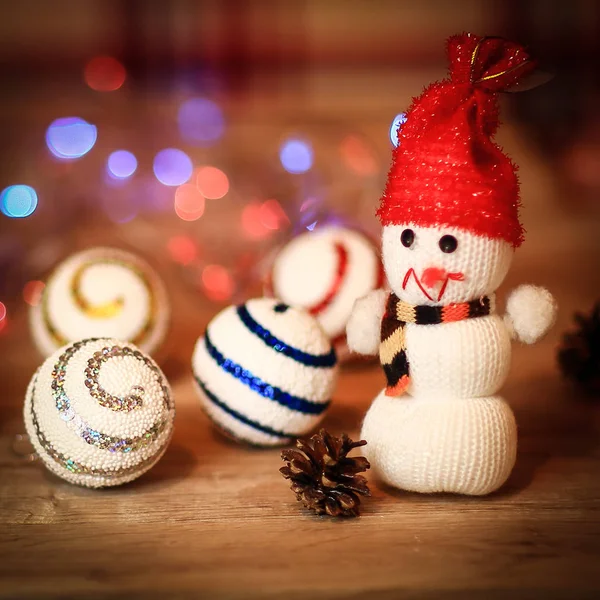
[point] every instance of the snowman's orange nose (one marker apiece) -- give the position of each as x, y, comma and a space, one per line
433, 275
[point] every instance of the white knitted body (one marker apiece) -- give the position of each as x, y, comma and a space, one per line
449, 433
273, 396
458, 360
101, 292
305, 271
466, 446
87, 437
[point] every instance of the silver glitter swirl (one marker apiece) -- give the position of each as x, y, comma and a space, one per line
77, 424
127, 403
79, 468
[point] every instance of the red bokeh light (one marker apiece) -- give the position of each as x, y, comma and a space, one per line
104, 74
272, 215
189, 202
217, 282
183, 249
32, 292
3, 317
358, 156
212, 182
252, 221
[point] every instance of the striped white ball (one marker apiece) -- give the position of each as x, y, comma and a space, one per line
265, 372
99, 412
101, 292
325, 271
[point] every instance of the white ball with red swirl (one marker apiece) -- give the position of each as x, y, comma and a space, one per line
101, 292
99, 412
325, 271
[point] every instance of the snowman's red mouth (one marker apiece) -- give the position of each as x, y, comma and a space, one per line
444, 276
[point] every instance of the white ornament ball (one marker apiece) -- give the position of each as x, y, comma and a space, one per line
101, 292
99, 412
325, 271
265, 372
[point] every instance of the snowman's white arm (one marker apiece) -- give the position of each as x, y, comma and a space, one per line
530, 312
363, 330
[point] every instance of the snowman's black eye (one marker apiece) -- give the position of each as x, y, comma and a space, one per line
448, 244
407, 238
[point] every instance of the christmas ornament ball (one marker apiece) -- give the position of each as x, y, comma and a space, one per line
265, 372
99, 412
324, 271
101, 292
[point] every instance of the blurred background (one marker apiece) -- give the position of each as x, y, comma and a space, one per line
203, 133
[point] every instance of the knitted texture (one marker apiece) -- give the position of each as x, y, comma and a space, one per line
392, 350
465, 446
478, 265
324, 272
451, 224
101, 292
446, 168
265, 372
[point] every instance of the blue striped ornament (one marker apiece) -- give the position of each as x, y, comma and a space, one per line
265, 372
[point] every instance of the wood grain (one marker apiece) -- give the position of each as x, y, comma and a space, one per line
216, 520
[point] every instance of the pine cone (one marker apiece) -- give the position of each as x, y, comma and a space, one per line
579, 354
323, 477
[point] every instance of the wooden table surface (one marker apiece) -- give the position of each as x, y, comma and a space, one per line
216, 520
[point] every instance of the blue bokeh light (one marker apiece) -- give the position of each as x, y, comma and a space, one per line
395, 127
70, 137
172, 166
121, 164
18, 201
200, 121
296, 156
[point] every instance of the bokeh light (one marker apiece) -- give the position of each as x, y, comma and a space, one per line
397, 123
18, 201
311, 204
121, 164
183, 249
32, 292
296, 156
252, 221
104, 74
212, 182
172, 166
3, 319
189, 202
272, 215
358, 156
217, 283
200, 121
70, 137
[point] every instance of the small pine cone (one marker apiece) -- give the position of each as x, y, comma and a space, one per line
323, 478
579, 353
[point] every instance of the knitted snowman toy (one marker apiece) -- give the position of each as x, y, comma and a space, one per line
450, 227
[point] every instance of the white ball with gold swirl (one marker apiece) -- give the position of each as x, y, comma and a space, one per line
265, 372
99, 412
101, 292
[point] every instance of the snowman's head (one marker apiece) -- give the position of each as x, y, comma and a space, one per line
443, 265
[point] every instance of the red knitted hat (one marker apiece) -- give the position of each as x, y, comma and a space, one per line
446, 169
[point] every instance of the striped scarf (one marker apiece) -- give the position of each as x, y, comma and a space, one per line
392, 350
